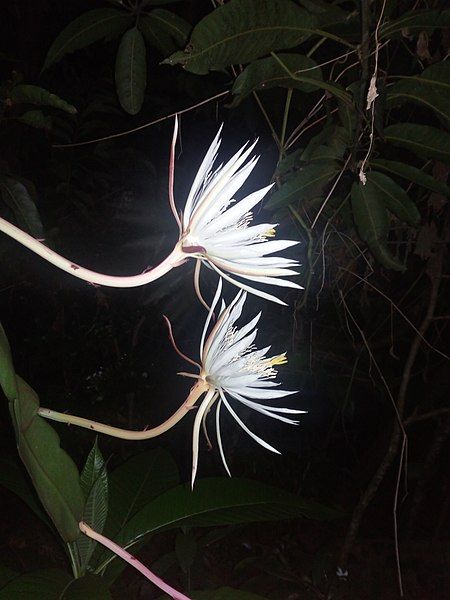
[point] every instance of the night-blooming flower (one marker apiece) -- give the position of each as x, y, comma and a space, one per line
236, 373
215, 229
231, 372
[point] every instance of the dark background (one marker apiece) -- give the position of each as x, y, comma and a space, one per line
105, 354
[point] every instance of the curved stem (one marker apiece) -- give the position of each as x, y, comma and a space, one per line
125, 434
133, 561
175, 259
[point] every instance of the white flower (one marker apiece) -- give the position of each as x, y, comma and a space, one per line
236, 373
216, 229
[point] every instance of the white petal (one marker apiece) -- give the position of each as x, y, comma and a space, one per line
202, 172
213, 203
210, 314
261, 394
246, 429
274, 281
233, 214
219, 438
196, 432
247, 288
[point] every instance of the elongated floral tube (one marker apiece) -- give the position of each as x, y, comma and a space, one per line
126, 434
175, 259
133, 561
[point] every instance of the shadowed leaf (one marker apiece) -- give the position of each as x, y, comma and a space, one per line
90, 27
131, 71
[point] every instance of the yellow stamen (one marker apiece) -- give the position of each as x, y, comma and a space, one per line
270, 233
280, 359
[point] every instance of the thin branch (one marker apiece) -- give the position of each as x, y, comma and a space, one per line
140, 127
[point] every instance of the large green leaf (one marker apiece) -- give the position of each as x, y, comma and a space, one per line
325, 13
394, 197
45, 584
431, 89
411, 174
135, 483
225, 593
54, 474
267, 73
13, 477
308, 182
89, 587
15, 195
90, 27
131, 71
241, 31
36, 119
32, 94
132, 486
164, 30
8, 379
218, 501
372, 222
416, 21
53, 584
423, 140
94, 485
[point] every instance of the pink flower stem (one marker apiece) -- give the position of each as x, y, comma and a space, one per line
126, 434
133, 561
175, 259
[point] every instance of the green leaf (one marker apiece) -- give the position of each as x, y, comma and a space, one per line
15, 195
89, 587
6, 575
8, 379
131, 71
45, 584
90, 27
225, 593
218, 501
308, 182
13, 478
412, 174
431, 89
325, 13
54, 474
185, 550
423, 140
416, 21
94, 485
267, 73
164, 30
241, 31
51, 584
372, 222
135, 483
394, 197
32, 94
36, 119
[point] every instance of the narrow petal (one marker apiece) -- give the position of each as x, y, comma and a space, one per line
248, 288
196, 432
219, 438
202, 172
245, 428
233, 214
210, 314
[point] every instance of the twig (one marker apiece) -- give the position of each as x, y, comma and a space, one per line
425, 341
435, 273
140, 127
